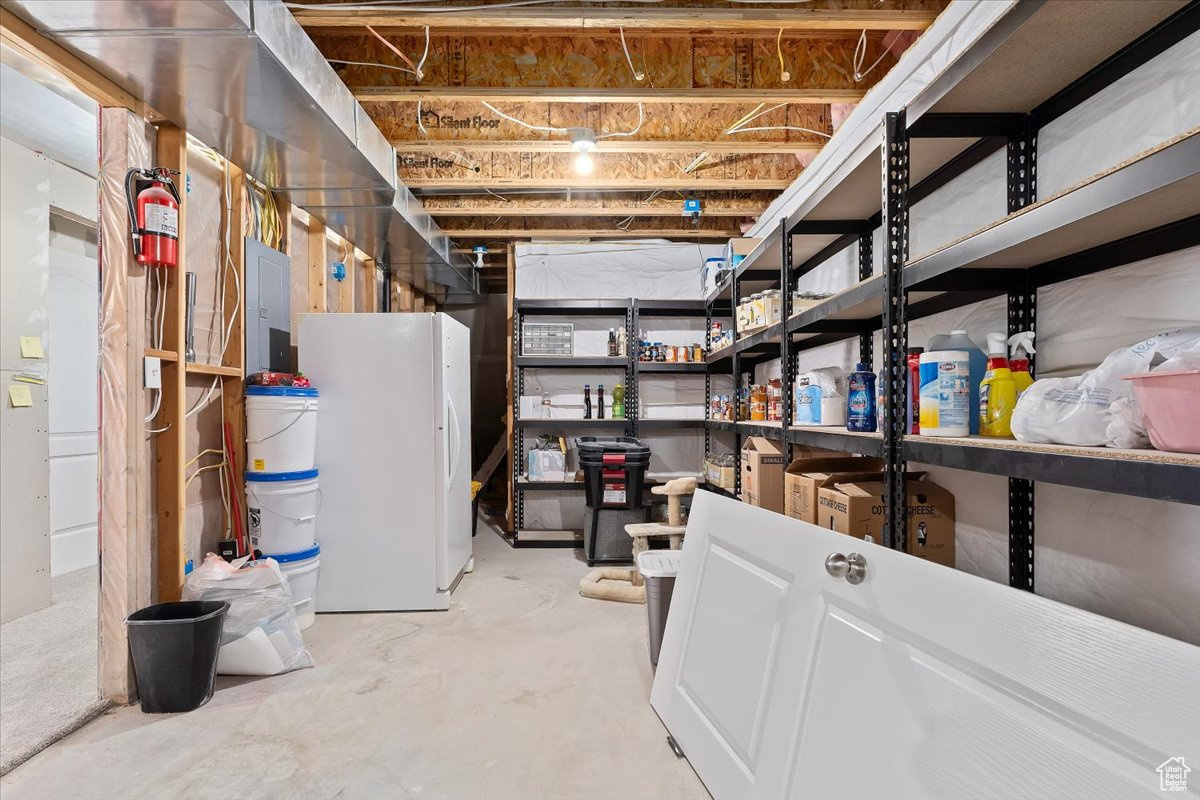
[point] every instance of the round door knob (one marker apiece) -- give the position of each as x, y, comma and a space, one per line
837, 565
852, 567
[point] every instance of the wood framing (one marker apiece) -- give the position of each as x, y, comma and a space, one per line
22, 37
684, 96
169, 496
595, 233
233, 391
684, 147
407, 301
517, 208
345, 287
867, 16
371, 285
682, 184
317, 266
126, 484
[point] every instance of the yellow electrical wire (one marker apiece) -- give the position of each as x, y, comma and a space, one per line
783, 73
202, 454
220, 465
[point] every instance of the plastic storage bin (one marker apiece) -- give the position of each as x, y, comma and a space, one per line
614, 470
282, 507
659, 568
302, 569
281, 429
174, 648
1169, 401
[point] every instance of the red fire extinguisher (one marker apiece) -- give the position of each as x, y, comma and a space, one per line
153, 215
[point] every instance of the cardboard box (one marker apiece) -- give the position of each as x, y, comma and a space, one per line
856, 507
717, 475
740, 246
762, 474
804, 476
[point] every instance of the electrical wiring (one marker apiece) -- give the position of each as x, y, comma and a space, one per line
204, 453
395, 50
424, 55
739, 126
522, 123
784, 74
638, 75
191, 477
420, 122
497, 196
860, 55
636, 128
372, 64
783, 128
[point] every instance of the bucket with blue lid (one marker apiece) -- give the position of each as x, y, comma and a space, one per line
302, 569
282, 508
281, 429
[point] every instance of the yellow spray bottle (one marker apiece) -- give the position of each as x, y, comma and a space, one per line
997, 391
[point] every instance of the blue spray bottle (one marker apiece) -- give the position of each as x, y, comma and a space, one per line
860, 400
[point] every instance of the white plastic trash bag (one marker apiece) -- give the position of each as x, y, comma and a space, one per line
260, 636
1095, 408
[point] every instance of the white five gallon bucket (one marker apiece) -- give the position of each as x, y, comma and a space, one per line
281, 429
282, 507
302, 570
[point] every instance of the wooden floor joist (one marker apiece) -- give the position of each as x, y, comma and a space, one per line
596, 233
868, 17
629, 184
502, 95
515, 209
683, 147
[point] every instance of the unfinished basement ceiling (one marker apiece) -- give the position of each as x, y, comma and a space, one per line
571, 71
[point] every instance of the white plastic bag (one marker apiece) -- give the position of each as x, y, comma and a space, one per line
1080, 410
260, 636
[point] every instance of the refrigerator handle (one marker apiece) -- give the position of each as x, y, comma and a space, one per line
452, 438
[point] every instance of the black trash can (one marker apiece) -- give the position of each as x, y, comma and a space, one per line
614, 470
174, 648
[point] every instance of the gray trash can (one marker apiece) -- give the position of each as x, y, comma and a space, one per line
659, 568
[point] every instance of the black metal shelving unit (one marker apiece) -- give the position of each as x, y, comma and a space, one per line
1146, 206
630, 311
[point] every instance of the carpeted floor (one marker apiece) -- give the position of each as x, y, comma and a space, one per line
48, 682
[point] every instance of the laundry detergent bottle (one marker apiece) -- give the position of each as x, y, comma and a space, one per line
1022, 345
997, 391
860, 400
958, 340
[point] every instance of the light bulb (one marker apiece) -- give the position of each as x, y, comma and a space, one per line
583, 164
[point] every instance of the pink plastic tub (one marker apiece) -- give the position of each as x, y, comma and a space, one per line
1170, 403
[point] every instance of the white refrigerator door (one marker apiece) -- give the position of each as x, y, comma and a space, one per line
779, 680
453, 402
377, 446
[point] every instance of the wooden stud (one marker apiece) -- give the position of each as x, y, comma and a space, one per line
464, 94
345, 289
371, 285
169, 496
317, 266
233, 390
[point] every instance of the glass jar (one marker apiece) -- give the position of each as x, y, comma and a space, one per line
669, 355
660, 352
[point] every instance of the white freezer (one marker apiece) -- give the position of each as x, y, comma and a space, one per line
394, 456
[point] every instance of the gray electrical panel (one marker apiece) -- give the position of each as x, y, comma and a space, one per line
268, 309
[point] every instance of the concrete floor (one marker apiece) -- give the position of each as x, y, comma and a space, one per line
523, 689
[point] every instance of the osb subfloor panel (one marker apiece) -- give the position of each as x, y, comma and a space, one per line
523, 689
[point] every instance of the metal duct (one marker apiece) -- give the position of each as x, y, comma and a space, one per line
243, 77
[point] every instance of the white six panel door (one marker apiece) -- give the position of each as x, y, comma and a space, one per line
780, 680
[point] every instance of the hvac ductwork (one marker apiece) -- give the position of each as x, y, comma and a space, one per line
243, 77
